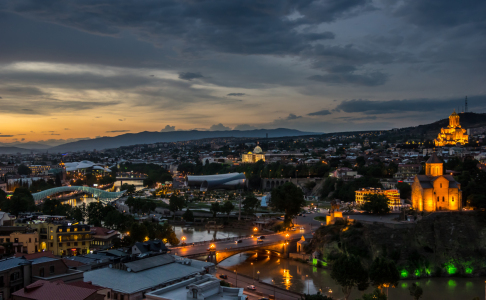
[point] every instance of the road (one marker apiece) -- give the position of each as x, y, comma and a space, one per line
266, 289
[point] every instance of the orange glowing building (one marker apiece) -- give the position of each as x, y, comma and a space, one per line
453, 134
434, 190
393, 195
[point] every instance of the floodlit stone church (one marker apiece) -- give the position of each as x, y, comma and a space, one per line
452, 135
435, 191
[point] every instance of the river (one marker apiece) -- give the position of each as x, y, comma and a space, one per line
199, 233
301, 278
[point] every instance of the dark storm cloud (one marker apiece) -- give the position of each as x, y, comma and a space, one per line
409, 105
369, 79
444, 13
241, 26
45, 106
190, 75
117, 131
236, 94
324, 112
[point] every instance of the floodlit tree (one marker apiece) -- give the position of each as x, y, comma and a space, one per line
348, 272
287, 198
376, 204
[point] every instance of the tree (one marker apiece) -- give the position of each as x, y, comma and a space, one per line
95, 213
250, 204
215, 208
58, 179
317, 296
188, 215
55, 207
130, 188
405, 190
227, 208
24, 170
138, 232
384, 273
21, 201
416, 291
78, 213
348, 272
176, 203
287, 198
376, 204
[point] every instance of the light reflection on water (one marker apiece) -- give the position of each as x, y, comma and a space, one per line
199, 233
290, 274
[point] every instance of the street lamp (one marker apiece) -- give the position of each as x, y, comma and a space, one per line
306, 278
274, 296
253, 273
183, 240
258, 274
236, 271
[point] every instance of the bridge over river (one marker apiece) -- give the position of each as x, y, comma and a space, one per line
102, 195
279, 244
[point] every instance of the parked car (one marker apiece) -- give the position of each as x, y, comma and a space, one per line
238, 241
223, 276
251, 287
261, 237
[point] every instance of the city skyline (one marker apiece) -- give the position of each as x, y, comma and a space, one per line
70, 71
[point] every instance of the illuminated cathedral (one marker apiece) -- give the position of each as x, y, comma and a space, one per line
453, 134
435, 191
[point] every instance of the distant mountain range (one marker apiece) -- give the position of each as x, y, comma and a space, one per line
173, 136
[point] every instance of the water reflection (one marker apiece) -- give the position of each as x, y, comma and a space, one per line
301, 278
200, 233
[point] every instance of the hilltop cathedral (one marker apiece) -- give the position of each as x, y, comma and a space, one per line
453, 134
434, 190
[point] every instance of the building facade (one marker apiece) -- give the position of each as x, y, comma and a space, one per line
434, 190
393, 195
64, 239
22, 242
253, 157
453, 134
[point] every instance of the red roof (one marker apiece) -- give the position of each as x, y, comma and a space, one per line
35, 255
86, 285
100, 231
58, 290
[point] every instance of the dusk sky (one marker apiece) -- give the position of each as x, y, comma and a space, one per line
78, 69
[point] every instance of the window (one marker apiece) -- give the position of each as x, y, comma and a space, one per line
443, 199
108, 295
1, 241
83, 243
75, 243
60, 244
52, 245
36, 240
2, 283
69, 244
194, 293
115, 296
52, 237
8, 240
68, 230
452, 198
441, 185
51, 269
60, 229
16, 240
437, 199
75, 228
41, 272
30, 240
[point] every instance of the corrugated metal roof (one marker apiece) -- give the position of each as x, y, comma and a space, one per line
150, 262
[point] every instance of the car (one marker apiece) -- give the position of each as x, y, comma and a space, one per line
302, 228
223, 276
259, 241
294, 229
261, 237
238, 241
251, 287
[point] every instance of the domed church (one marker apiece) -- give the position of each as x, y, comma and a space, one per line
253, 157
